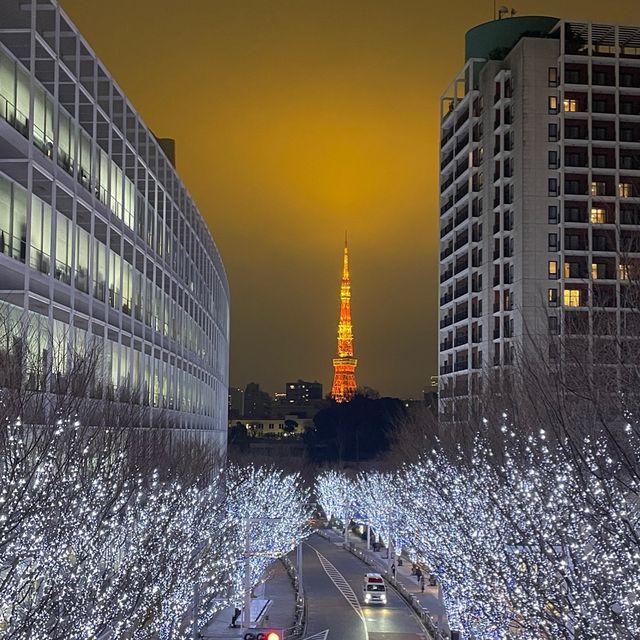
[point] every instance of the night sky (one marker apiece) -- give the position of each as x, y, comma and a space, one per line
295, 120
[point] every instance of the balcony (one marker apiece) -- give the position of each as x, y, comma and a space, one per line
461, 315
446, 275
446, 229
446, 368
446, 206
461, 216
461, 266
461, 241
446, 160
461, 365
446, 136
461, 193
446, 184
461, 144
446, 321
446, 252
445, 345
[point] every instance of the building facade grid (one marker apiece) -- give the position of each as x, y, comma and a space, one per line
98, 235
540, 203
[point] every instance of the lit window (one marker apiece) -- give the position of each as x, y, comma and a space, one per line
570, 104
623, 271
552, 297
597, 271
598, 216
624, 190
572, 297
598, 188
553, 269
553, 104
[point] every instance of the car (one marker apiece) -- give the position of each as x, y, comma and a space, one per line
374, 590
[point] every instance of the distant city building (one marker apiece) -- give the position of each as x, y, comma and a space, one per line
539, 199
286, 427
344, 379
101, 246
303, 392
236, 402
257, 403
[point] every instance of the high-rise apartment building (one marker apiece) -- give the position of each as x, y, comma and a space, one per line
539, 198
303, 392
101, 245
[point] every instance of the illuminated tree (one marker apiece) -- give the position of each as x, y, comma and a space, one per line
530, 537
90, 548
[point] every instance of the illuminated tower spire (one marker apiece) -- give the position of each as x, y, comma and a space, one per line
344, 378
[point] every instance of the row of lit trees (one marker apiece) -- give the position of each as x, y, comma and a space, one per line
529, 536
91, 548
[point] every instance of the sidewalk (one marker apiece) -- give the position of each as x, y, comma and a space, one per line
430, 601
273, 606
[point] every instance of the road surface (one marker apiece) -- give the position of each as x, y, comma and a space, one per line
333, 589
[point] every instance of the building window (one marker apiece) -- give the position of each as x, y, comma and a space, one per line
624, 190
571, 270
553, 325
552, 132
598, 271
553, 76
623, 271
571, 298
553, 269
570, 104
553, 214
552, 297
598, 188
553, 159
598, 215
553, 104
553, 186
553, 242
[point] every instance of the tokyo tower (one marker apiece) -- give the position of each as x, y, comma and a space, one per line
344, 378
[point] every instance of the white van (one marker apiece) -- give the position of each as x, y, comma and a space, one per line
374, 589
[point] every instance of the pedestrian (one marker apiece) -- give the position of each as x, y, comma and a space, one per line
418, 574
422, 584
393, 569
236, 615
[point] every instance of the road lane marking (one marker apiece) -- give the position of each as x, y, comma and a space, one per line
319, 636
343, 587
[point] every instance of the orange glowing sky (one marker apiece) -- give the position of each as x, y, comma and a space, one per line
295, 120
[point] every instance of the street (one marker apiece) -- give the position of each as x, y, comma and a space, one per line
333, 589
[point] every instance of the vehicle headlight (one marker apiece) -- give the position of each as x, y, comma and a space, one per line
367, 597
384, 598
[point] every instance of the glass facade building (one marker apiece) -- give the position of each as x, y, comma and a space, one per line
100, 242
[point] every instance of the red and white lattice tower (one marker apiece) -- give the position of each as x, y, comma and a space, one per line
344, 378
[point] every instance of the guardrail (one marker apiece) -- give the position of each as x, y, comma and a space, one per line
301, 611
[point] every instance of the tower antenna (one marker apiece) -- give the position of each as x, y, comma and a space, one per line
344, 365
